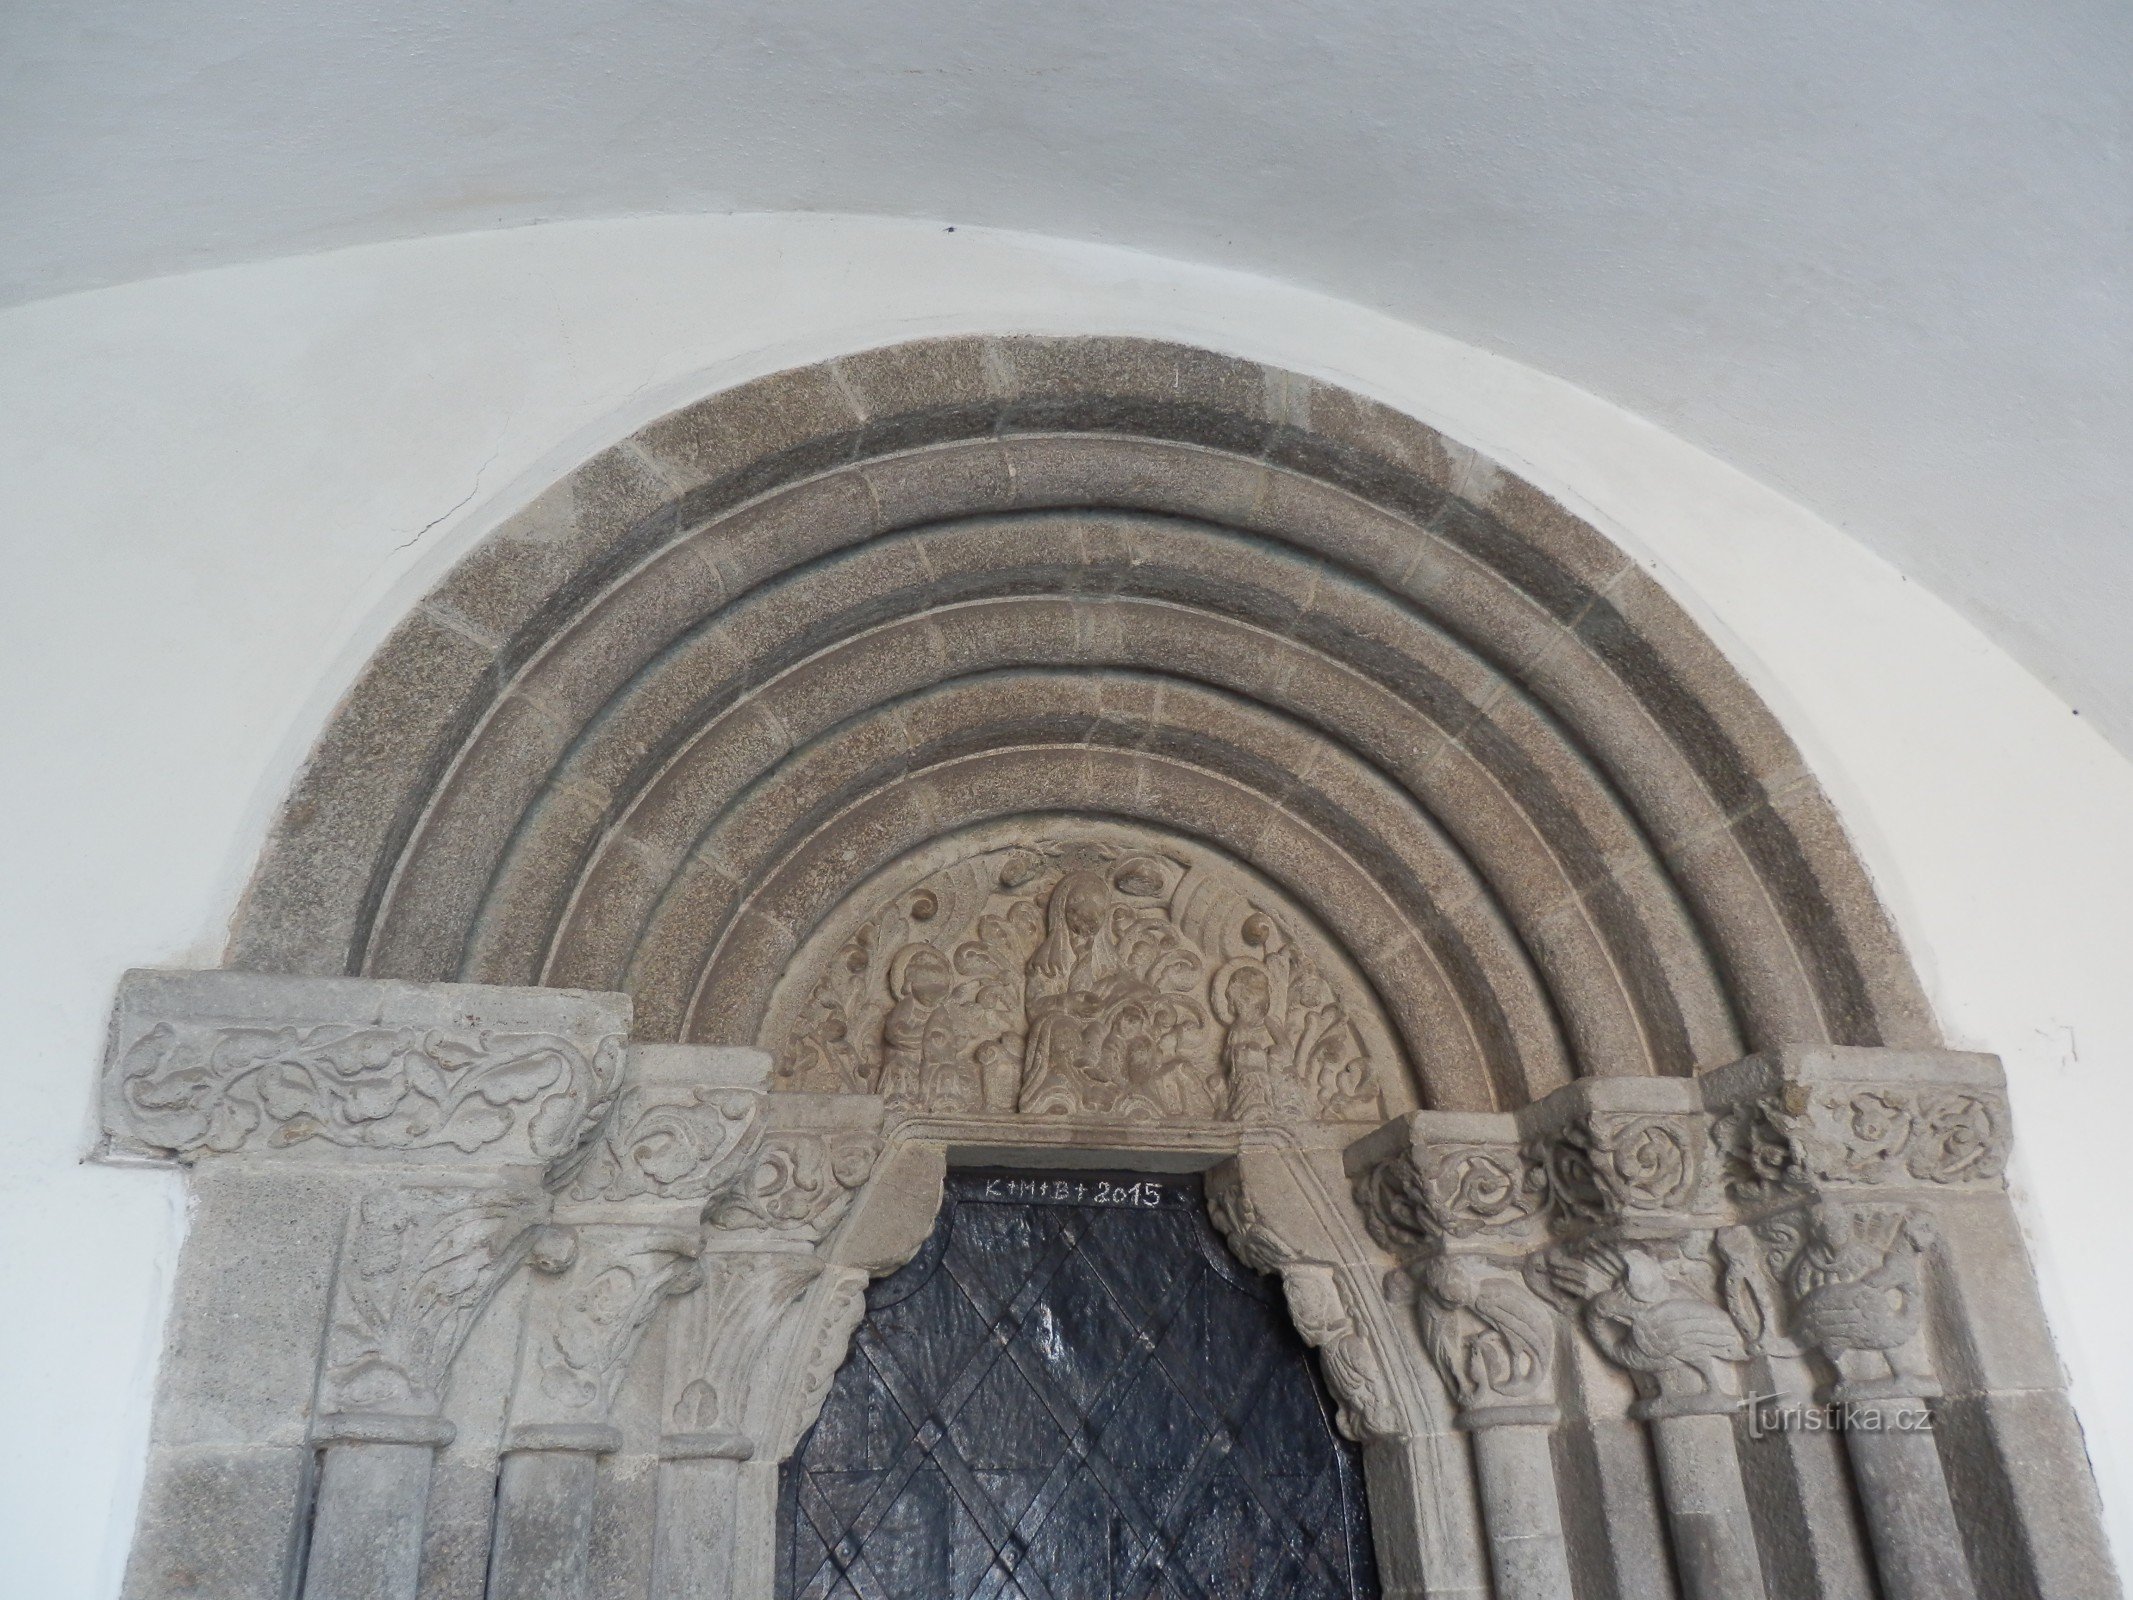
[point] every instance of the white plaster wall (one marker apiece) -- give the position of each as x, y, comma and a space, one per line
219, 491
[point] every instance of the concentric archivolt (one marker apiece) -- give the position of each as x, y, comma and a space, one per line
652, 733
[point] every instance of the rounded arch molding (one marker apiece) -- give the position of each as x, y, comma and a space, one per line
648, 733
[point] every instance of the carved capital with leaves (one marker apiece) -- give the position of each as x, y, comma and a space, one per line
419, 1265
604, 1285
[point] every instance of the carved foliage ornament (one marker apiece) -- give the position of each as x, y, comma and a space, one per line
1886, 1134
1083, 969
193, 1088
1614, 1165
616, 1279
1451, 1191
678, 1142
419, 1266
798, 1183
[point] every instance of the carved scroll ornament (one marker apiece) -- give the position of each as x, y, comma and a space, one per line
1611, 1166
1085, 970
1451, 1190
193, 1088
797, 1184
1883, 1134
676, 1142
616, 1279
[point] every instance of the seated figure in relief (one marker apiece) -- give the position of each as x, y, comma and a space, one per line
1109, 1027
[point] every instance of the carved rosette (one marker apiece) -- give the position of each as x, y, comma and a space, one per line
1085, 969
419, 1266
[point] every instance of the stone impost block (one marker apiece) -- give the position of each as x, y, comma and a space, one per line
1852, 1120
1633, 1155
1435, 1181
685, 1122
800, 1174
223, 1063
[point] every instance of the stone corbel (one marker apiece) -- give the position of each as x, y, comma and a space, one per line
1267, 1220
1461, 1204
1286, 1211
367, 1161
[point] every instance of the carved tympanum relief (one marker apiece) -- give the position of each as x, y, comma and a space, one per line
1077, 968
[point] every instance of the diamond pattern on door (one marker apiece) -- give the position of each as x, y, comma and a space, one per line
1074, 1392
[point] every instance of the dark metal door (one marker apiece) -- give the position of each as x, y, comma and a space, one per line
1075, 1392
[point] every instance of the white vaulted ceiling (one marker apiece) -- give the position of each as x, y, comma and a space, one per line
1874, 254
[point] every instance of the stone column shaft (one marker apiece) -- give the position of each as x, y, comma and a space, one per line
544, 1514
1707, 1508
1909, 1517
373, 1500
717, 1522
1520, 1508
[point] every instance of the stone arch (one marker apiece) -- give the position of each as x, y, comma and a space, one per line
805, 624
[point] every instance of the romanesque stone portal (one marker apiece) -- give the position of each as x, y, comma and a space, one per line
1074, 754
